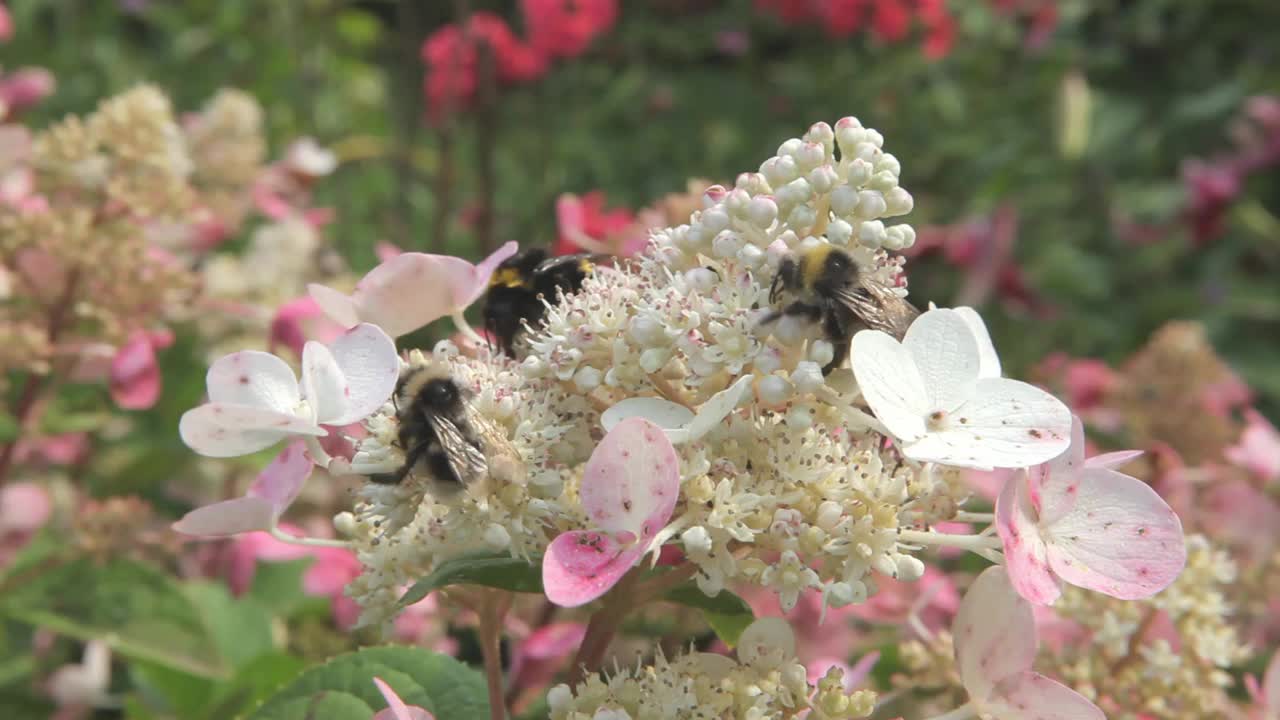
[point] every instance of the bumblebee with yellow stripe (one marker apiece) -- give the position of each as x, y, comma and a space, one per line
519, 286
829, 288
444, 440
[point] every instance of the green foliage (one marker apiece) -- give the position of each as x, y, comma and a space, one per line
486, 569
726, 613
343, 687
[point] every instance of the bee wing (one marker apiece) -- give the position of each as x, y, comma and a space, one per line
552, 262
466, 460
879, 308
504, 460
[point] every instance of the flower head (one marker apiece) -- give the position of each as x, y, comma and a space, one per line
135, 375
256, 400
995, 644
565, 28
629, 488
411, 290
1083, 522
940, 394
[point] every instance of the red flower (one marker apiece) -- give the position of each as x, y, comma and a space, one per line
565, 28
453, 61
584, 224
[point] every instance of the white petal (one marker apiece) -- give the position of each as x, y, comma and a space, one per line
323, 383
1050, 500
946, 354
989, 362
253, 378
714, 410
339, 307
222, 430
1029, 695
994, 632
671, 417
1006, 424
891, 384
370, 367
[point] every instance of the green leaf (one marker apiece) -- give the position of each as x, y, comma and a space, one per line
277, 586
489, 570
136, 610
174, 692
252, 684
343, 689
241, 628
726, 613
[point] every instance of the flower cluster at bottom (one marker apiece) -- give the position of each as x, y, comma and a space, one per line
765, 681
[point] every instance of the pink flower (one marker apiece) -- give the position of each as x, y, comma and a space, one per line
629, 489
6, 24
135, 376
411, 290
995, 643
1258, 450
329, 576
256, 400
24, 88
544, 652
298, 321
396, 709
271, 493
1081, 521
565, 28
584, 225
452, 56
24, 509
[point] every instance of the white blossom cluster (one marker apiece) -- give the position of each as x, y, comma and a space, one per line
793, 475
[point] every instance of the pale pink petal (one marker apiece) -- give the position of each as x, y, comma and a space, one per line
24, 507
1113, 460
385, 251
1025, 555
479, 280
221, 430
135, 376
1120, 539
1007, 423
553, 641
1271, 684
229, 517
370, 367
396, 709
323, 385
300, 320
345, 610
339, 307
280, 482
890, 383
253, 378
945, 351
1028, 695
330, 573
994, 632
580, 566
570, 215
632, 480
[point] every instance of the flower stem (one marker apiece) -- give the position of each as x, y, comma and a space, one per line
964, 542
493, 607
966, 516
285, 537
464, 327
966, 710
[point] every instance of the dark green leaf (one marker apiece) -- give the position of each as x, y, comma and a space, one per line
240, 627
727, 613
489, 570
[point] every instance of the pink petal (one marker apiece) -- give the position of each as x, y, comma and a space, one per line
1025, 555
255, 379
580, 566
385, 251
332, 570
1031, 696
221, 430
479, 280
1271, 684
1113, 460
281, 481
339, 307
370, 367
396, 709
1259, 448
632, 480
1070, 461
1120, 539
135, 376
995, 633
229, 517
24, 507
553, 641
300, 320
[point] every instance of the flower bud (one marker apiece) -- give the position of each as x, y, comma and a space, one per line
587, 379
909, 568
823, 178
839, 232
714, 220
871, 234
697, 541
859, 172
774, 391
790, 147
780, 170
497, 537
802, 216
899, 237
871, 205
807, 377
898, 202
762, 211
810, 156
822, 352
345, 524
844, 199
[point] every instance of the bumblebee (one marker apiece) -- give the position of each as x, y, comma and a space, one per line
444, 438
519, 286
831, 289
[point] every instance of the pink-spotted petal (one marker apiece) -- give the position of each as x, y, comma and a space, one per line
582, 565
1120, 538
1006, 423
135, 376
890, 383
632, 480
229, 517
1028, 695
340, 308
995, 633
396, 709
988, 361
222, 430
255, 379
1025, 556
946, 354
1052, 493
280, 482
370, 367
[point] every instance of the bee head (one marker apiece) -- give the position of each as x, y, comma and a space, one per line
431, 382
440, 393
828, 268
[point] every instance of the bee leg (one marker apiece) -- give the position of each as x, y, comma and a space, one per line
411, 458
837, 326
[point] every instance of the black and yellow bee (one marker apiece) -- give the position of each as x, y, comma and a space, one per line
829, 288
444, 439
521, 283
